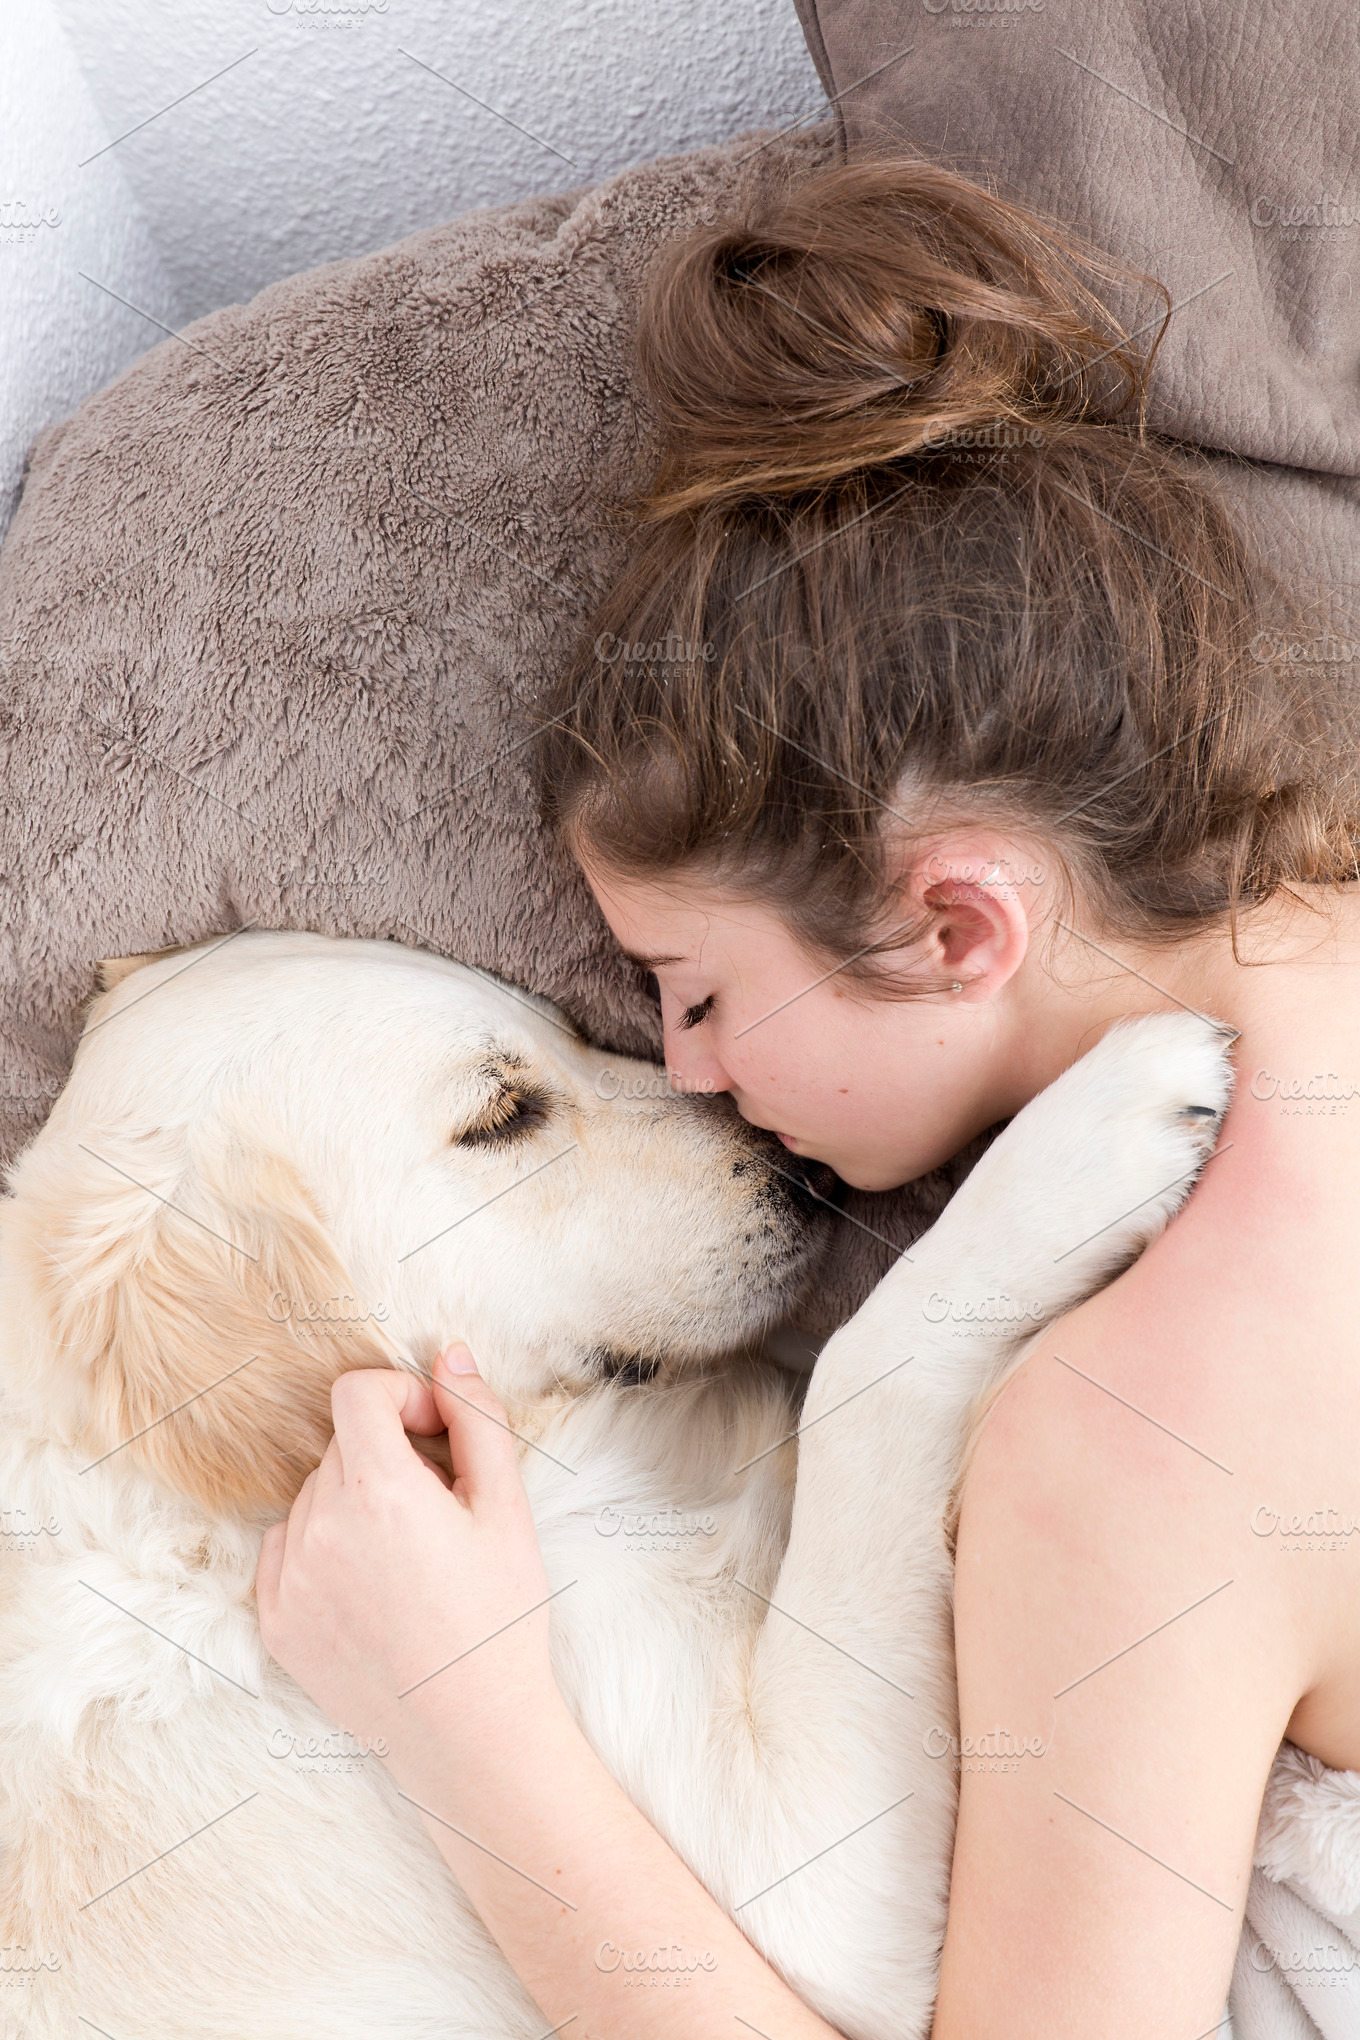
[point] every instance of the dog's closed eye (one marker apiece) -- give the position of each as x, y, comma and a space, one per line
516, 1110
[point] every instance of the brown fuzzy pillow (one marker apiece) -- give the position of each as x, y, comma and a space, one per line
270, 600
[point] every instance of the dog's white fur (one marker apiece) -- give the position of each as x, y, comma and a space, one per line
261, 1126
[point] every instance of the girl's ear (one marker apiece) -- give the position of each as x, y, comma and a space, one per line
200, 1335
979, 892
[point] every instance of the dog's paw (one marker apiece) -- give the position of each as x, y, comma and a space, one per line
1164, 1084
1095, 1167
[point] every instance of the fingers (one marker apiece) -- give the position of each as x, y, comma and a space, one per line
418, 1409
320, 1484
372, 1409
481, 1443
300, 1513
267, 1577
280, 1542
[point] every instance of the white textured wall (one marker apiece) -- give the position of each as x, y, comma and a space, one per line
325, 138
60, 335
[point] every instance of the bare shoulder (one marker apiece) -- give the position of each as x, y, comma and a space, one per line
1198, 1422
1158, 1563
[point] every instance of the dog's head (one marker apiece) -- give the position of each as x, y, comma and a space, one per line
281, 1156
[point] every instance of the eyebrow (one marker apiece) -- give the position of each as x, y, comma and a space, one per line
651, 962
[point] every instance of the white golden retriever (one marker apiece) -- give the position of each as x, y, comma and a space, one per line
281, 1156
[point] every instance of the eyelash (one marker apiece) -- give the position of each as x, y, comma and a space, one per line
512, 1114
694, 1016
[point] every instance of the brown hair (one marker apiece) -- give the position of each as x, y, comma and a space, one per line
911, 553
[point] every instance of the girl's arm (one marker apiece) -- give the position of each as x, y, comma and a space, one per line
629, 1942
384, 1583
1126, 1674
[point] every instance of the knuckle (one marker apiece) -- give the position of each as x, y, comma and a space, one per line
348, 1388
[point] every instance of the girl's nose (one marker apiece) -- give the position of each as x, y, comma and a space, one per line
691, 1066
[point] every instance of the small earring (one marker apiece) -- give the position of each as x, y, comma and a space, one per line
957, 986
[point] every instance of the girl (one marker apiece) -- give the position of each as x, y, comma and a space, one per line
941, 719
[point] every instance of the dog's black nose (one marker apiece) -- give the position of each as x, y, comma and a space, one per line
797, 1181
813, 1183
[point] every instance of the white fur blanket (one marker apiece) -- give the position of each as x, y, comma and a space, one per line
1298, 1966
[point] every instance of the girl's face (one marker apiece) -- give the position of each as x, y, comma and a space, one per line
881, 1089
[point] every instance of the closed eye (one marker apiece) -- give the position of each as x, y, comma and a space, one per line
516, 1110
694, 1015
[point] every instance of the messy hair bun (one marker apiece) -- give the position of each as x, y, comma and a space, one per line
910, 554
877, 314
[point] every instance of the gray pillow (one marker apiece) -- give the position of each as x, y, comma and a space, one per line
1211, 146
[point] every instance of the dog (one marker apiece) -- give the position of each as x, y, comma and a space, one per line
280, 1156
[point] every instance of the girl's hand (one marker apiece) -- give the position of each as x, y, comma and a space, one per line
383, 1576
402, 1605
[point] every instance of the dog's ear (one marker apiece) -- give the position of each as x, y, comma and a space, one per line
194, 1316
113, 969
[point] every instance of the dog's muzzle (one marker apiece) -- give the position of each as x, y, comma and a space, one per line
813, 1184
795, 1186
